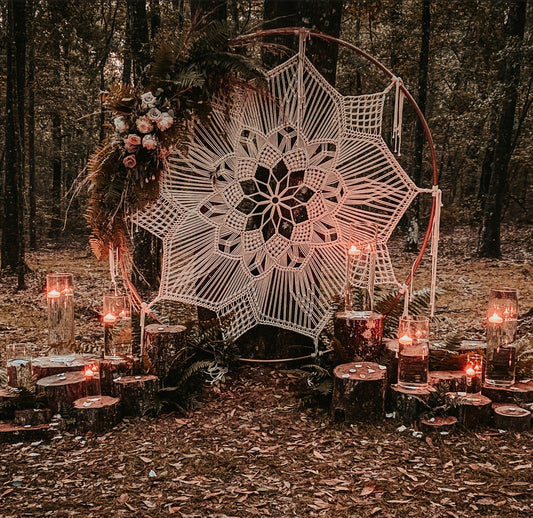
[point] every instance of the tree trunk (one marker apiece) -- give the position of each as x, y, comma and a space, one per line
411, 244
57, 166
499, 153
32, 204
12, 252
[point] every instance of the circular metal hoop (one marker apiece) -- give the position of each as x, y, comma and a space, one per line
303, 33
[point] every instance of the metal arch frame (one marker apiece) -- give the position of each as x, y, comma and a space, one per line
304, 33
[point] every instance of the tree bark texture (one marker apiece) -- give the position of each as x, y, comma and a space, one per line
97, 414
406, 404
164, 345
136, 393
62, 391
521, 392
500, 148
472, 411
511, 417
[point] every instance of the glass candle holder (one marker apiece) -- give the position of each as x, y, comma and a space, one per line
60, 304
18, 363
502, 317
117, 326
474, 373
91, 371
413, 352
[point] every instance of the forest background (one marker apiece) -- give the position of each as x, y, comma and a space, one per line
467, 63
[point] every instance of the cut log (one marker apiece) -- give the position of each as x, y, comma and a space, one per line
437, 424
136, 393
391, 360
448, 381
511, 417
472, 410
164, 346
358, 391
10, 433
62, 390
360, 335
408, 404
19, 373
32, 416
45, 366
7, 403
97, 414
520, 392
111, 369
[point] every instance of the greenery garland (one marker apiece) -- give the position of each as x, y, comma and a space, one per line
126, 168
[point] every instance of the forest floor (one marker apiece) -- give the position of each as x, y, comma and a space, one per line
256, 447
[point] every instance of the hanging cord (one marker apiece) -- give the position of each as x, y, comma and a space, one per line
303, 34
435, 231
398, 115
405, 290
113, 271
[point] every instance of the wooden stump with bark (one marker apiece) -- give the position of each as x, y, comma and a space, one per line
10, 433
358, 391
391, 360
111, 369
7, 403
472, 410
136, 393
437, 424
32, 416
62, 390
45, 366
164, 345
97, 414
408, 404
511, 417
359, 335
521, 392
448, 381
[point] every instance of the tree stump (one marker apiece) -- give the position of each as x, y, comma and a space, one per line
62, 390
437, 424
111, 369
471, 410
408, 404
448, 381
10, 433
391, 360
45, 366
164, 345
32, 416
136, 393
97, 414
511, 417
358, 391
521, 392
7, 403
360, 334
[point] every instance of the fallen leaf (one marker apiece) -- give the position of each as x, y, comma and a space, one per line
368, 489
318, 455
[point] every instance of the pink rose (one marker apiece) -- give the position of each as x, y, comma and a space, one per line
131, 142
130, 161
149, 142
144, 125
165, 121
154, 115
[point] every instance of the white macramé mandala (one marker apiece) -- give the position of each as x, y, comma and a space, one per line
256, 220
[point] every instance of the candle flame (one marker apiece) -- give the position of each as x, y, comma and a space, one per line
353, 250
110, 319
89, 373
405, 340
495, 319
53, 294
470, 371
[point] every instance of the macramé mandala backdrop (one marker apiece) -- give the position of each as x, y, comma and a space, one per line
256, 220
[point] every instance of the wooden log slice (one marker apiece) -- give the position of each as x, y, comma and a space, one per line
448, 381
45, 366
164, 346
511, 417
62, 390
391, 360
7, 403
408, 404
32, 416
98, 414
437, 424
111, 369
360, 334
472, 410
358, 391
521, 392
136, 393
10, 433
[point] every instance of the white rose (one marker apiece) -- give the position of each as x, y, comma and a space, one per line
121, 124
154, 114
148, 100
165, 121
144, 125
149, 142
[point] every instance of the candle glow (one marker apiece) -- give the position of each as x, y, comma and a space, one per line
405, 340
470, 371
495, 319
53, 294
354, 251
89, 373
109, 318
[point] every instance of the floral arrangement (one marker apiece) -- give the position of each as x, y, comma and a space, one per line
147, 124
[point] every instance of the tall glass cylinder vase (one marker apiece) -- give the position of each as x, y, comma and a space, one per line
117, 326
502, 317
60, 302
18, 365
413, 352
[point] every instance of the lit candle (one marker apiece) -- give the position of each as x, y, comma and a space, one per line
495, 319
110, 318
470, 371
405, 340
89, 373
53, 294
354, 251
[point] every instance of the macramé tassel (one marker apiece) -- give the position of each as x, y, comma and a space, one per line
398, 116
435, 246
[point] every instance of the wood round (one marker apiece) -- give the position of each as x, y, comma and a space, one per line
408, 404
96, 413
511, 417
358, 391
473, 410
448, 381
164, 345
437, 424
112, 368
521, 391
62, 390
136, 393
44, 366
359, 335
